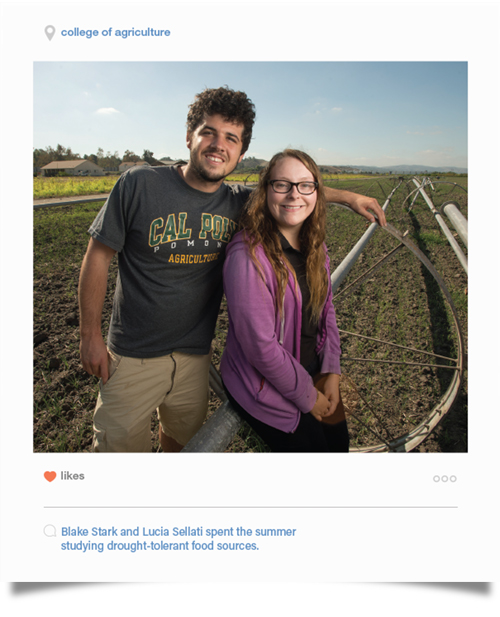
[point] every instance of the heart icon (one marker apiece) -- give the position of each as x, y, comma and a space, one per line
50, 476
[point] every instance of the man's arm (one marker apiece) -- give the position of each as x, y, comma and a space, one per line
91, 294
359, 203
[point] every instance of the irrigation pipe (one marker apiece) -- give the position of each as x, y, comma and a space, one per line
458, 220
217, 432
451, 239
344, 268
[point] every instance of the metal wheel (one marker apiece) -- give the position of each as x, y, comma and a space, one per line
403, 347
404, 368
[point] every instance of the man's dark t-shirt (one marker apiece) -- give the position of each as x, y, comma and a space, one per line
171, 241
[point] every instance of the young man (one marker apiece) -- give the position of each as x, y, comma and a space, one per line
170, 227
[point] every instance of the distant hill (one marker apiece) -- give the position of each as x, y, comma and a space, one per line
254, 163
410, 169
337, 169
251, 163
257, 164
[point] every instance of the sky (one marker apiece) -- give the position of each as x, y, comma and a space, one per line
341, 113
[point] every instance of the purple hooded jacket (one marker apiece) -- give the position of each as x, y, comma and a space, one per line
261, 362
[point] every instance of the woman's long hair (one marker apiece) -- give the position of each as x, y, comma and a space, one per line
261, 229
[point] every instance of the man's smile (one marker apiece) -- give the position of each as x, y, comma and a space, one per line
215, 158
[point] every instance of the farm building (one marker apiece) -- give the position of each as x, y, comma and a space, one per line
80, 167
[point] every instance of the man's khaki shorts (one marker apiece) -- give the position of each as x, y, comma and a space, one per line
176, 385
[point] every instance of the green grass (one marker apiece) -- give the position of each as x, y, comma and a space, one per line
60, 236
430, 238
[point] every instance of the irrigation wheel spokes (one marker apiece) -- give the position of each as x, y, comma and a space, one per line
441, 189
403, 349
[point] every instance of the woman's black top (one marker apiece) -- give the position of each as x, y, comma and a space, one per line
309, 330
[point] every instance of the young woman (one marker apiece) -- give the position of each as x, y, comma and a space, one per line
282, 326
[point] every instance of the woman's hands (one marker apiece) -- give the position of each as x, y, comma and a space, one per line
321, 407
332, 392
327, 403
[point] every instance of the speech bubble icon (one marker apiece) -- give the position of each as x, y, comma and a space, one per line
49, 531
50, 476
50, 31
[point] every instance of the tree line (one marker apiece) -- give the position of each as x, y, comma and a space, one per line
107, 161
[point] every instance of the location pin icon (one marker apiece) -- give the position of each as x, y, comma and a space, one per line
50, 31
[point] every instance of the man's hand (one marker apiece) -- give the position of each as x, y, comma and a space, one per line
365, 206
91, 294
94, 356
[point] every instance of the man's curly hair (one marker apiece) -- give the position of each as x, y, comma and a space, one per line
231, 105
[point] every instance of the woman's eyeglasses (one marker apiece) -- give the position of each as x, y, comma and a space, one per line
283, 186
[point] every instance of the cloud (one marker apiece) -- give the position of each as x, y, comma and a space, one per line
439, 157
321, 107
107, 111
430, 131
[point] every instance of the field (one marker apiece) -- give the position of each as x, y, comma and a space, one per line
400, 303
44, 188
251, 177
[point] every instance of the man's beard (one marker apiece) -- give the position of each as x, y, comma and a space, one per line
203, 174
